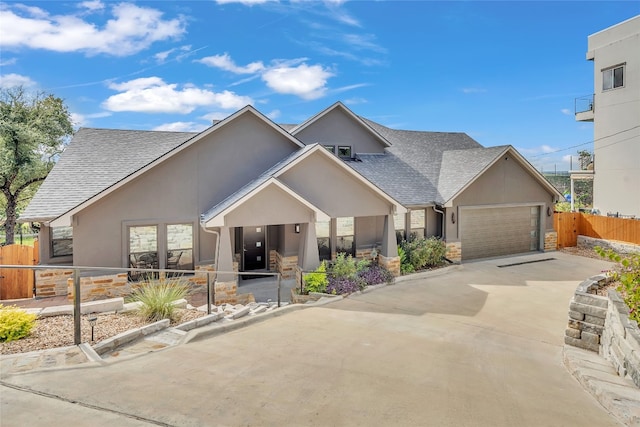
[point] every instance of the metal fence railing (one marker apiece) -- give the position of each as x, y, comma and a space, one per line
212, 279
584, 104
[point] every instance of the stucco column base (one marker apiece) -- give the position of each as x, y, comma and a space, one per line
390, 263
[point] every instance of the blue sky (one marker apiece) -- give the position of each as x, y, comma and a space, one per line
504, 72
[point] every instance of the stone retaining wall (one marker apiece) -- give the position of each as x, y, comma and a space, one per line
100, 287
618, 247
587, 313
52, 283
601, 324
286, 265
620, 341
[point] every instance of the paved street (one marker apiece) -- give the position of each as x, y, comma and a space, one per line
471, 345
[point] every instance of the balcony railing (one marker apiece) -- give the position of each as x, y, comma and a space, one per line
584, 104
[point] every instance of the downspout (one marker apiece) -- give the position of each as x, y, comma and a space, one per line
435, 208
217, 233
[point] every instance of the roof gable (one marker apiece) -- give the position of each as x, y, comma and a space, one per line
318, 129
122, 178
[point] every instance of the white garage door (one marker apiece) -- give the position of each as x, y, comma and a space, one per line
496, 231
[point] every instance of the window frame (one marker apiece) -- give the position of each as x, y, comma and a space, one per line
341, 237
52, 240
350, 150
609, 75
161, 230
326, 241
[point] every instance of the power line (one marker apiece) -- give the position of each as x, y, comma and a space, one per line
590, 142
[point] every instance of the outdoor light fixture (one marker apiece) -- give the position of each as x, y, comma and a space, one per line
548, 210
453, 217
296, 228
93, 319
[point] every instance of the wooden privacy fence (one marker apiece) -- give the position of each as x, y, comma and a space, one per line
17, 283
569, 225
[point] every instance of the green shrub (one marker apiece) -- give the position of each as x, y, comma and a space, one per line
405, 266
157, 297
316, 281
344, 267
15, 323
420, 252
627, 273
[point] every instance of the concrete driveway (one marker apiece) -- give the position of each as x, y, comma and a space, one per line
471, 345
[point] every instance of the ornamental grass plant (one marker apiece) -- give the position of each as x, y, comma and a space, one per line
157, 298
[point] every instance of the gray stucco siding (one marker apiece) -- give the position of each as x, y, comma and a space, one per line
179, 189
505, 182
271, 206
333, 189
338, 128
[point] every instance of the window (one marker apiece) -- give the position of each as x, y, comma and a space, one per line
61, 241
330, 148
399, 225
344, 151
613, 77
180, 247
418, 223
143, 246
323, 234
345, 233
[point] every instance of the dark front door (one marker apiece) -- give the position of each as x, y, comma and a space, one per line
254, 248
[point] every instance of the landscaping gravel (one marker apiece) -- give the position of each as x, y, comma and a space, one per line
57, 331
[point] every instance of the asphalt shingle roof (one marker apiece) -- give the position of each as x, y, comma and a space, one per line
418, 168
95, 160
424, 167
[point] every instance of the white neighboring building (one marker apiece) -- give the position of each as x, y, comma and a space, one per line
614, 110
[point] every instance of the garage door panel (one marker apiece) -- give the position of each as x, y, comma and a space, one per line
498, 231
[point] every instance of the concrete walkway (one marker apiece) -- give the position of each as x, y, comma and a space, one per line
474, 345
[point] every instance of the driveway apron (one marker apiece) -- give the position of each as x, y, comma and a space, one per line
472, 345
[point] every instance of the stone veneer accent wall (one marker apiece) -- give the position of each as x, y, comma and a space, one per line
52, 283
550, 241
286, 266
454, 251
390, 263
101, 287
619, 247
601, 324
273, 256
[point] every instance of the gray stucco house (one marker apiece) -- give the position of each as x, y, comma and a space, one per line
249, 194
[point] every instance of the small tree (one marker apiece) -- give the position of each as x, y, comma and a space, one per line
32, 131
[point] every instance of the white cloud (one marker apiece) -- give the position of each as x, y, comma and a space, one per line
5, 62
355, 101
473, 90
566, 112
274, 114
14, 80
305, 81
245, 2
547, 149
182, 127
153, 95
92, 5
161, 57
225, 62
291, 77
79, 120
131, 29
215, 116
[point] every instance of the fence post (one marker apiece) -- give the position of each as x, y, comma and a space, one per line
77, 333
279, 276
208, 292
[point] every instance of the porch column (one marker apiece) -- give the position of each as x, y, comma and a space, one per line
308, 255
389, 244
225, 255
